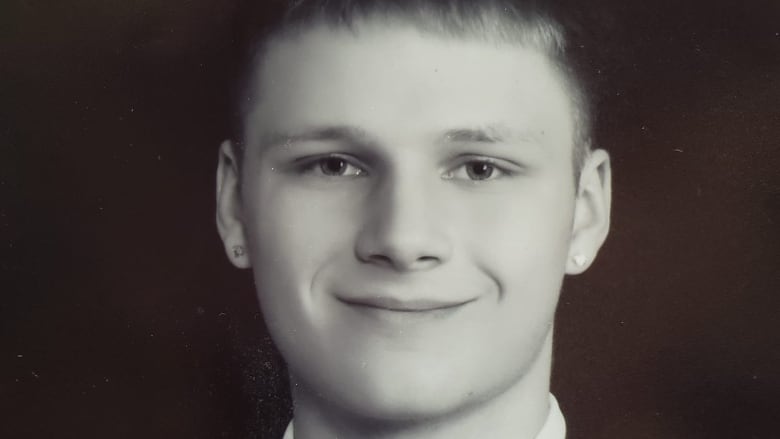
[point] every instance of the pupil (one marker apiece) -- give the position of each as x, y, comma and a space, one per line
480, 171
333, 166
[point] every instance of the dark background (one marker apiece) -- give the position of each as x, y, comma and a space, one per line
121, 317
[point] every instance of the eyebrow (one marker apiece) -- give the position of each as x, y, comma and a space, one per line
488, 134
336, 133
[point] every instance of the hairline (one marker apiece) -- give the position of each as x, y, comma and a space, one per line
539, 32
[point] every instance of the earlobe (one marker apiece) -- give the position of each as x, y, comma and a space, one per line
592, 211
230, 223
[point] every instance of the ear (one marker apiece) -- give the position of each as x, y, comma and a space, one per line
230, 221
591, 212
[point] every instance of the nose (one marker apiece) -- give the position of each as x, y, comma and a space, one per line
402, 230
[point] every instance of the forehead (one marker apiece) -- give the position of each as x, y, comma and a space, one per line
391, 79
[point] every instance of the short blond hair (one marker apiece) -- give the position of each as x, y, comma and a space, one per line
526, 23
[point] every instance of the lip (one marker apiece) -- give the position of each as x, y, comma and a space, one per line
388, 303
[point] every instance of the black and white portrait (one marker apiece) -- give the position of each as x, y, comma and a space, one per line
414, 219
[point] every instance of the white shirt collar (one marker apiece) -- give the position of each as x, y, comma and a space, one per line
554, 427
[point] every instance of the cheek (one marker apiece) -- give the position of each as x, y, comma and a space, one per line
293, 236
522, 243
298, 227
523, 231
523, 247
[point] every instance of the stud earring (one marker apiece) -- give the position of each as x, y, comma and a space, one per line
238, 251
580, 260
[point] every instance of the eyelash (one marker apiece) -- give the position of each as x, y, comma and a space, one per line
492, 165
315, 165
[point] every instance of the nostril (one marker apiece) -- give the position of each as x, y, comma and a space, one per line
380, 259
425, 262
401, 263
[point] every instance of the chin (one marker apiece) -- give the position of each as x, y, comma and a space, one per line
406, 403
393, 392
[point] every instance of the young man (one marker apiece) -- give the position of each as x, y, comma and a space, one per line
410, 183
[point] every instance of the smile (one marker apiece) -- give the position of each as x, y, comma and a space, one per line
404, 306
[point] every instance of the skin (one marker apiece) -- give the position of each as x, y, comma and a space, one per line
408, 207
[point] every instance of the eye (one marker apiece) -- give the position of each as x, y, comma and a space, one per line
480, 170
332, 166
476, 170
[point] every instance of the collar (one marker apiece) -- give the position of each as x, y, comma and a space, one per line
554, 427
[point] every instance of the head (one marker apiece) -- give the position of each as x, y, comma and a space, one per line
412, 180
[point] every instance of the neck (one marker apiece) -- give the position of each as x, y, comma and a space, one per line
517, 413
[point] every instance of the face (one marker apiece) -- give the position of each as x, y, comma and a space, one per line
408, 204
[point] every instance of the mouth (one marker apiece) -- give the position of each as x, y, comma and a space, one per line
383, 303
